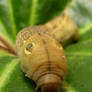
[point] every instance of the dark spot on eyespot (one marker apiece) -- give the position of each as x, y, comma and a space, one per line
54, 27
29, 46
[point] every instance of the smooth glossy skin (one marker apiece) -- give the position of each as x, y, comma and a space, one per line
41, 55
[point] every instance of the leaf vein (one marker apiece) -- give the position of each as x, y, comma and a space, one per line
85, 29
32, 12
6, 73
12, 18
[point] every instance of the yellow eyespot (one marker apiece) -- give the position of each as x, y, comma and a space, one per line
29, 47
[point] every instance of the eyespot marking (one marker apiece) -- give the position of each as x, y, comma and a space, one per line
29, 47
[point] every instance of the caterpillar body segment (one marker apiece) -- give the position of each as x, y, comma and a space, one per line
42, 57
63, 29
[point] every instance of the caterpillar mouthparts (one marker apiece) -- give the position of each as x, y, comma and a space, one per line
50, 88
48, 79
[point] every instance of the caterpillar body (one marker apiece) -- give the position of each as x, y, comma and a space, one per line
41, 54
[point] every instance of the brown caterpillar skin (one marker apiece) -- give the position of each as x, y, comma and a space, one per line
64, 29
41, 55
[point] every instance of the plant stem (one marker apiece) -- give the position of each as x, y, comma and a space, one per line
7, 46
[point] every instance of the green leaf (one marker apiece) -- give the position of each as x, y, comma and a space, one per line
81, 12
79, 55
22, 13
80, 64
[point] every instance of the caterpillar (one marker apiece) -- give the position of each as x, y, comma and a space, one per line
41, 54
